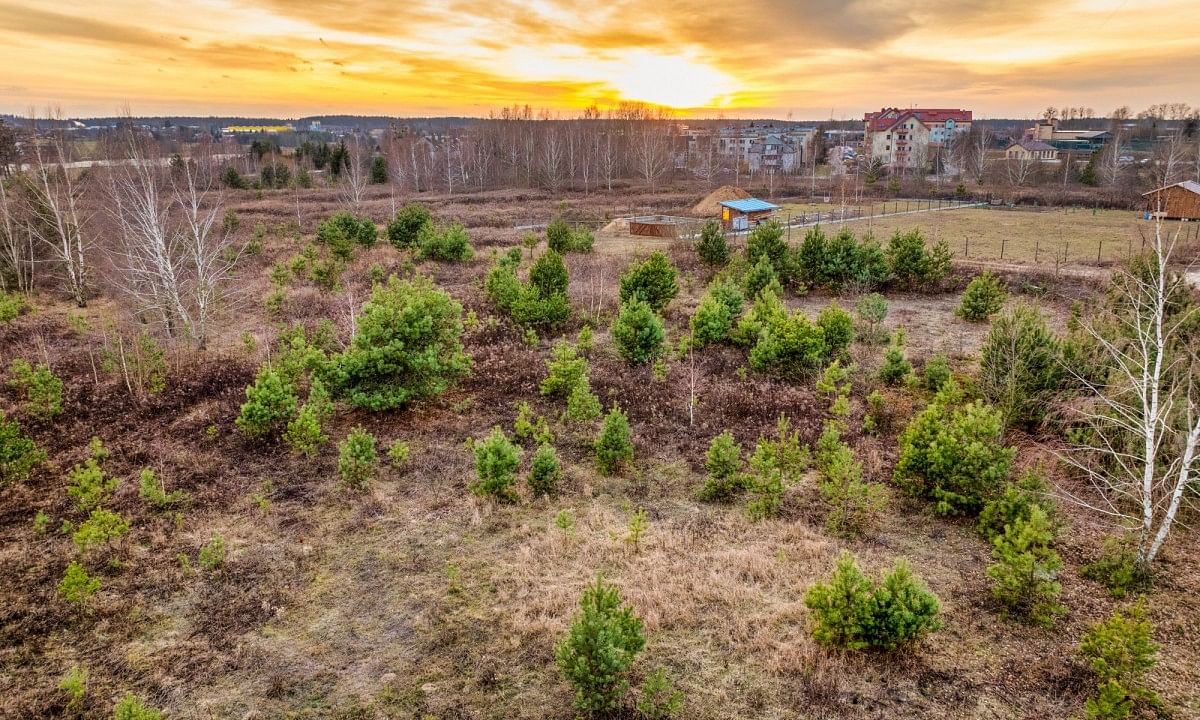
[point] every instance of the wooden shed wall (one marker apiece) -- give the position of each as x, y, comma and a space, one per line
1177, 203
653, 229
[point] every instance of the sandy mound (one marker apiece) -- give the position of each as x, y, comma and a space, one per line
709, 205
620, 225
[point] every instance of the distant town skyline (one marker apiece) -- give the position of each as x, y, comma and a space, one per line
805, 59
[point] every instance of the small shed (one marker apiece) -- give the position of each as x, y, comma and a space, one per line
742, 214
1180, 201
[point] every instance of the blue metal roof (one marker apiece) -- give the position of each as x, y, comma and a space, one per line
749, 205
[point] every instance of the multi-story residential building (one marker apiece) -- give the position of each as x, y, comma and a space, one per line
766, 146
904, 137
774, 152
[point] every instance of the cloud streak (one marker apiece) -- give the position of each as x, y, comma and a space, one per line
760, 57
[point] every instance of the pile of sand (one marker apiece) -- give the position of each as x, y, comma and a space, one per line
709, 206
620, 225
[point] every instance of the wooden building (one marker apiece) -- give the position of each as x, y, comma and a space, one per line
1180, 201
744, 214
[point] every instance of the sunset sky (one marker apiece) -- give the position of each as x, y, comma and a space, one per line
809, 58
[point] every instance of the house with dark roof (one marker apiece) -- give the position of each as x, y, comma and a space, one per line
1036, 150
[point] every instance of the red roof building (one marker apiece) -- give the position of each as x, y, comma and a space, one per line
903, 136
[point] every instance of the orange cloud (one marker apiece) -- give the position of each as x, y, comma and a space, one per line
764, 57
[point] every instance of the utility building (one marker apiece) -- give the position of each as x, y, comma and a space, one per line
743, 214
1180, 201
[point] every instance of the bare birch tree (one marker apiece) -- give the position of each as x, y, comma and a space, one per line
151, 259
608, 158
1142, 420
1170, 160
209, 250
651, 148
16, 255
397, 159
1020, 169
977, 160
57, 217
358, 171
1110, 160
551, 151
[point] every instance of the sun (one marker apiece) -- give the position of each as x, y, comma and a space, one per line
670, 80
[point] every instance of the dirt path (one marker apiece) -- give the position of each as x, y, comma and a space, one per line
1089, 272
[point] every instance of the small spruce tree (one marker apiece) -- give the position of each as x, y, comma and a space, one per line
1026, 567
895, 366
653, 281
77, 586
304, 431
852, 612
660, 700
767, 240
270, 404
1120, 651
549, 274
712, 246
406, 226
1016, 504
983, 298
87, 484
638, 332
566, 369
872, 311
761, 277
496, 462
357, 459
407, 346
40, 386
953, 453
724, 465
583, 405
19, 455
838, 327
936, 372
132, 707
714, 316
613, 447
597, 652
544, 471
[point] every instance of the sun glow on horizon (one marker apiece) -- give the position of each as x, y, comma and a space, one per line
672, 81
769, 59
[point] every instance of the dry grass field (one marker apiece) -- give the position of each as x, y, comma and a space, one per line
1029, 236
416, 599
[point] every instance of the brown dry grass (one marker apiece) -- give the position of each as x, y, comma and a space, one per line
417, 600
1033, 236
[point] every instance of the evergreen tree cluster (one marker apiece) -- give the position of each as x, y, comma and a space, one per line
540, 302
563, 239
853, 612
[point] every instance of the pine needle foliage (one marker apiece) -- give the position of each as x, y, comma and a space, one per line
599, 649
